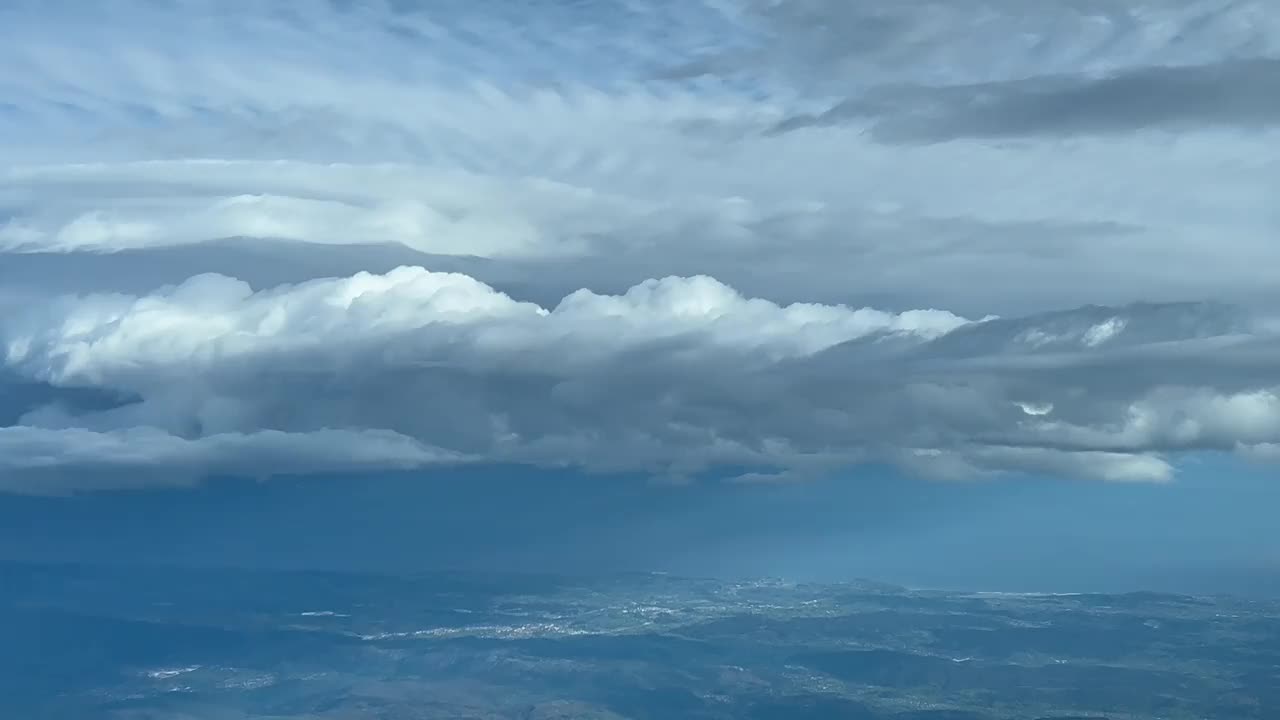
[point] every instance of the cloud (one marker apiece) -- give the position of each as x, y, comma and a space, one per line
1231, 94
571, 234
988, 244
1267, 452
672, 377
132, 206
46, 461
972, 41
509, 142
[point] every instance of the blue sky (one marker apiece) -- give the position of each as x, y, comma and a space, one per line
898, 262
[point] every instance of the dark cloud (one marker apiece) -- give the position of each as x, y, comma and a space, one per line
20, 395
1241, 93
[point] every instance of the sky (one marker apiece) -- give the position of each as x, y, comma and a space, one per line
524, 281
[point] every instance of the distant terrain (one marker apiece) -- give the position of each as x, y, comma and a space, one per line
134, 644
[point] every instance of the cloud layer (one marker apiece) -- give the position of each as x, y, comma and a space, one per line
253, 238
673, 377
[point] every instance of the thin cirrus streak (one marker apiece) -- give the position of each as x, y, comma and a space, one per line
209, 210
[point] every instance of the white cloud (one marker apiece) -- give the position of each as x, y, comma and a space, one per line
214, 319
671, 377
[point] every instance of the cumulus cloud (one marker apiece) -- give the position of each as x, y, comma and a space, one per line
635, 236
672, 377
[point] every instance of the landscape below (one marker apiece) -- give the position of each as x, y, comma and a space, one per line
135, 643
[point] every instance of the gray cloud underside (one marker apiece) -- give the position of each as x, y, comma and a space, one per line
1233, 94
